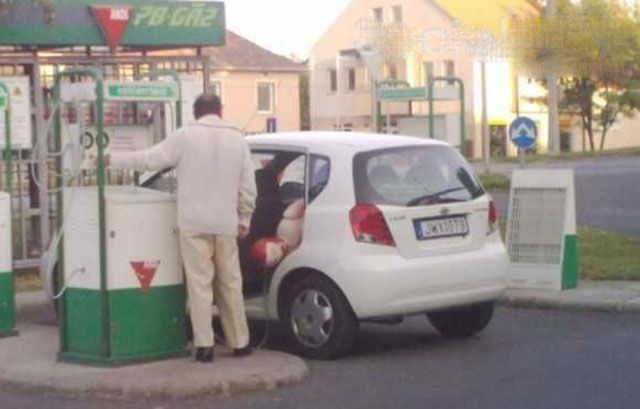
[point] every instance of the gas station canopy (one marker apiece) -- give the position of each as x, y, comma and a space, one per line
130, 23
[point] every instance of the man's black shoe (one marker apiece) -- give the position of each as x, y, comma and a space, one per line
240, 352
204, 354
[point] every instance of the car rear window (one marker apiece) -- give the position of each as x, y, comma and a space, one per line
414, 176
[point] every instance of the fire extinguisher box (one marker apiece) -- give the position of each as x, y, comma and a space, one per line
136, 310
7, 303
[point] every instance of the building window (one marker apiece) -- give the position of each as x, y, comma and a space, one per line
378, 15
216, 88
351, 80
428, 71
397, 14
449, 69
265, 97
392, 72
333, 80
503, 25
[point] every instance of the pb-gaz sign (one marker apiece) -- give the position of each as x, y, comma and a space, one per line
114, 22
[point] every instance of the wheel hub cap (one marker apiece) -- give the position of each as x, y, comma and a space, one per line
312, 318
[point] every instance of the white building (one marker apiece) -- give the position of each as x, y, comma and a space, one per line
340, 82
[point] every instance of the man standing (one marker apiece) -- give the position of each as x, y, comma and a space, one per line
216, 198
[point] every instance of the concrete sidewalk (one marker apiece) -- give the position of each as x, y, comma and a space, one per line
29, 362
605, 296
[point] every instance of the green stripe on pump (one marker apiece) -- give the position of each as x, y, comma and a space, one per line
144, 325
7, 305
570, 263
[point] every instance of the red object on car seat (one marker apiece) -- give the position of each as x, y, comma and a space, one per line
269, 252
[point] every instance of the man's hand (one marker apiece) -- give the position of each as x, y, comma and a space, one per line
243, 231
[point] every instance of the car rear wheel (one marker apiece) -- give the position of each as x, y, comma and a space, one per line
319, 321
463, 322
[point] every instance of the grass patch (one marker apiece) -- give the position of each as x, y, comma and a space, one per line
28, 280
608, 256
495, 181
625, 152
604, 255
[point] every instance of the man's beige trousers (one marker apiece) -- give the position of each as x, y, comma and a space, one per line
213, 270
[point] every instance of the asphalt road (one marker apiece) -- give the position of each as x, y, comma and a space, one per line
526, 359
607, 190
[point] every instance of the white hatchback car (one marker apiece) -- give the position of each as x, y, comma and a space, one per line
352, 227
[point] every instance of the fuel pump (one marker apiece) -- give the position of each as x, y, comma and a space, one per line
122, 297
7, 290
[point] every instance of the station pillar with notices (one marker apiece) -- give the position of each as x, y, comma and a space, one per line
123, 287
7, 286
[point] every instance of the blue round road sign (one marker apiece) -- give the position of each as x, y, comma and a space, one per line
523, 132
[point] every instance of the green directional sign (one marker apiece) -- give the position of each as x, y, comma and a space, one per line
403, 94
150, 91
3, 102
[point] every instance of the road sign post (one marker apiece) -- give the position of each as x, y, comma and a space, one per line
523, 133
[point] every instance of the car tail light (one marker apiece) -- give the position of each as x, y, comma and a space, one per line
493, 218
369, 226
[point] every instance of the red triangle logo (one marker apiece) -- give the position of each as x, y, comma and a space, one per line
145, 271
113, 21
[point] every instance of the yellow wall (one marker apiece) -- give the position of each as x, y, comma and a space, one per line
487, 13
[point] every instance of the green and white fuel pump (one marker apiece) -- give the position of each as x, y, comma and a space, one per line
7, 290
123, 296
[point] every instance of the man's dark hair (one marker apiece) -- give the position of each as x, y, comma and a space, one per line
207, 104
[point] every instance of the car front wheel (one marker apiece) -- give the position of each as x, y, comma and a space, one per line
319, 321
463, 322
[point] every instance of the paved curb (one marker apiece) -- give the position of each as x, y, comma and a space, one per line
590, 296
28, 362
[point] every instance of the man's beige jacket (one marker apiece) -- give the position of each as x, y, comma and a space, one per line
216, 182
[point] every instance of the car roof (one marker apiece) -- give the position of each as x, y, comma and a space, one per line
328, 142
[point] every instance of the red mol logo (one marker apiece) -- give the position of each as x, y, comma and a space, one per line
113, 21
145, 271
121, 14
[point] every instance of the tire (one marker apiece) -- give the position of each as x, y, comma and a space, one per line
319, 321
463, 322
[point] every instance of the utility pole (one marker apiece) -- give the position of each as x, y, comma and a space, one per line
553, 97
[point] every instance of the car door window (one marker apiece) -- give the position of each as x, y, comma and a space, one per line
281, 174
319, 171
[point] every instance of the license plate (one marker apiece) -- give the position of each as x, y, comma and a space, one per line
429, 229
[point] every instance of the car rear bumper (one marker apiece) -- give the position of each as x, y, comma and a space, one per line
390, 284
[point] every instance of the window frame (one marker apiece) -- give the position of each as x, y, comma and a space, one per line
378, 14
392, 68
351, 85
313, 158
449, 64
397, 11
333, 80
272, 99
217, 83
425, 75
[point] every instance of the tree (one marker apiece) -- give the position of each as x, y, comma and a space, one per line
305, 111
594, 46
